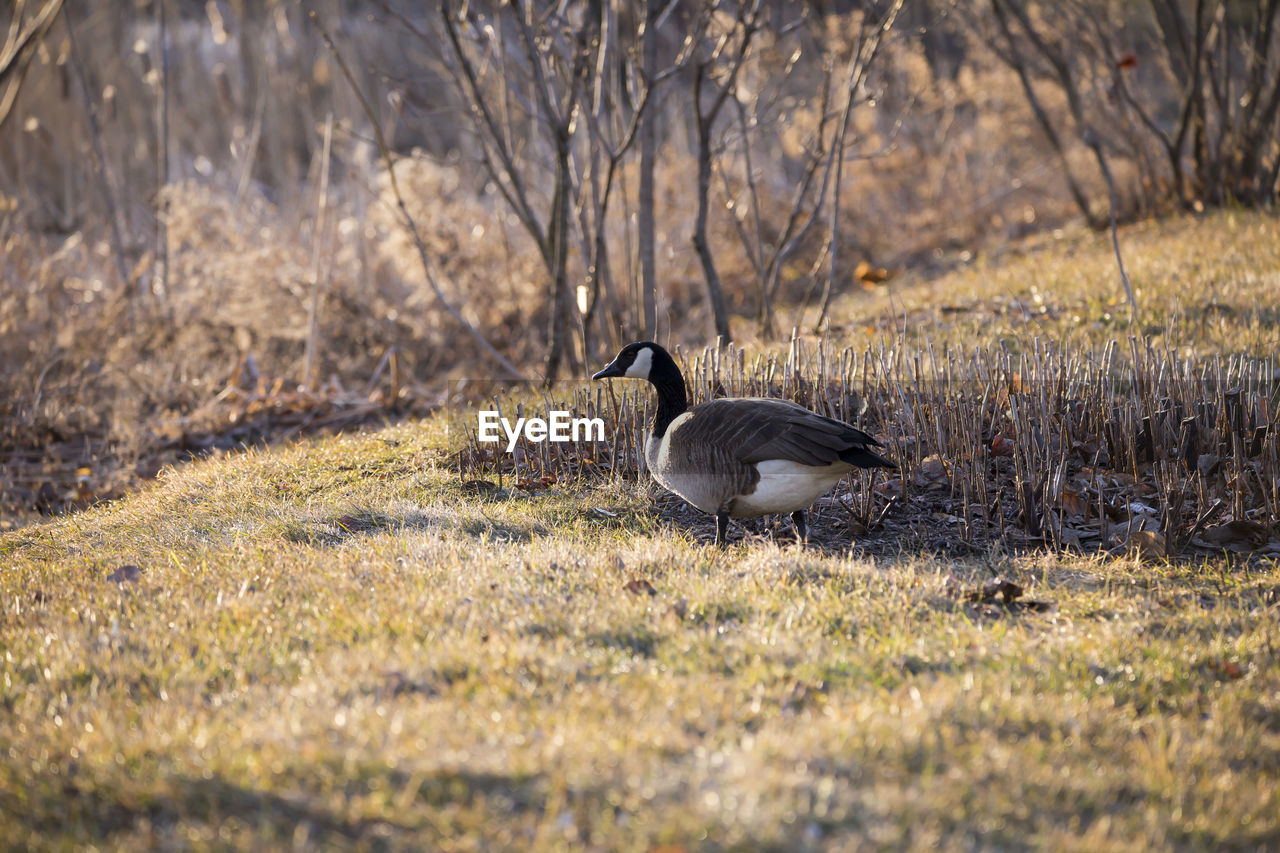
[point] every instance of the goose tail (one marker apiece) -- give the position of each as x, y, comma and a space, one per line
861, 457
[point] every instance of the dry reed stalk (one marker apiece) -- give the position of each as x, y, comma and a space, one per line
1038, 449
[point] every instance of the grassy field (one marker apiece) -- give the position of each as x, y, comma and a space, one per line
340, 643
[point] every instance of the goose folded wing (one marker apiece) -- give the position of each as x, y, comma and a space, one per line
756, 429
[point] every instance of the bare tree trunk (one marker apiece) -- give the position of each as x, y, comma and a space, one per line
1261, 109
562, 320
746, 26
160, 277
837, 152
648, 131
715, 295
95, 134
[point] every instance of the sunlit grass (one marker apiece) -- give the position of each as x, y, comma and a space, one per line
342, 643
1204, 286
316, 658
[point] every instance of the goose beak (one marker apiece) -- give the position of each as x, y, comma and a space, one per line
611, 371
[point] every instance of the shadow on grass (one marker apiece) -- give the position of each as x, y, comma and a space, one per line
357, 524
488, 528
59, 812
638, 640
99, 813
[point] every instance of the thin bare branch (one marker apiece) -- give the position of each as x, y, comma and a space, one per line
95, 135
407, 219
19, 48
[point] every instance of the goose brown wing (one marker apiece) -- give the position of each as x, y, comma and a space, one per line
753, 429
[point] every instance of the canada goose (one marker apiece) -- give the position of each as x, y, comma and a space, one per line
740, 456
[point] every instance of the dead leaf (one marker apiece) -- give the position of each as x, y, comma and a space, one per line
868, 274
1241, 531
1226, 669
1207, 463
993, 589
1144, 543
125, 574
890, 488
932, 471
1087, 451
533, 484
1073, 502
1122, 531
1002, 591
1076, 535
639, 586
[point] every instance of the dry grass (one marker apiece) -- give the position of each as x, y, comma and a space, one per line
349, 642
340, 643
336, 644
1205, 286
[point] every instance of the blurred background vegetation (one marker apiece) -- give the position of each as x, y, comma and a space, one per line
224, 221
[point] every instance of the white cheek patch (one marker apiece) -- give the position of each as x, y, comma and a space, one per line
639, 368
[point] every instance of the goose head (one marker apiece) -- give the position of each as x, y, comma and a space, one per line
647, 360
642, 360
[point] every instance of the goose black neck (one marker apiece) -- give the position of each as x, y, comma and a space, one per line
666, 377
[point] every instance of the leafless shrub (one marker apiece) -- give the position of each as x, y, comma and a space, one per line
1188, 91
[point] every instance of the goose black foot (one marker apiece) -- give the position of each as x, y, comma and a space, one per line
802, 531
722, 529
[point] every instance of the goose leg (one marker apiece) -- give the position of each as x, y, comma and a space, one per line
722, 529
802, 531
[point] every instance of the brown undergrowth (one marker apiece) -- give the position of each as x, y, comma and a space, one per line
1042, 449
